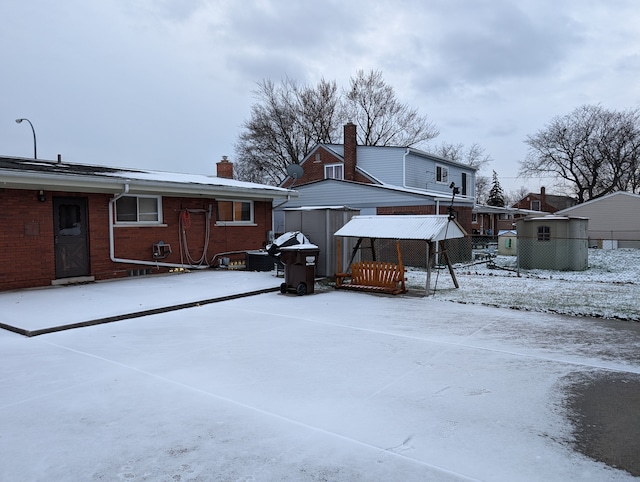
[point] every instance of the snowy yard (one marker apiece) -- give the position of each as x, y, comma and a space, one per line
609, 288
333, 386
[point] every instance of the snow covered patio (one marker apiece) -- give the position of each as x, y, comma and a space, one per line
334, 386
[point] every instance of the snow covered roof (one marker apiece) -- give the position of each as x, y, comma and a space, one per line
427, 227
22, 173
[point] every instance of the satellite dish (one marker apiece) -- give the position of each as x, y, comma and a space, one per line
295, 171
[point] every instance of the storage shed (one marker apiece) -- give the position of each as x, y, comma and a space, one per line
507, 242
318, 224
553, 242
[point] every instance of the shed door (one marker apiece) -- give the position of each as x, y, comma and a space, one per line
71, 240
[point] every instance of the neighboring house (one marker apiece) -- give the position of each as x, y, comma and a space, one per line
548, 203
489, 220
62, 222
614, 220
381, 180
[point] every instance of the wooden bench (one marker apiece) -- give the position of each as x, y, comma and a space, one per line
376, 276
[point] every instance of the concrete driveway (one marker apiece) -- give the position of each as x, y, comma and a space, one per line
328, 386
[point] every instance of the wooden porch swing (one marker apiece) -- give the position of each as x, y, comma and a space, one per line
375, 276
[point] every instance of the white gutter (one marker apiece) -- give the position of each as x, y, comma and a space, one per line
112, 203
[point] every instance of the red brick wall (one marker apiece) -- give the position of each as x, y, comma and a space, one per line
26, 239
350, 151
314, 168
28, 260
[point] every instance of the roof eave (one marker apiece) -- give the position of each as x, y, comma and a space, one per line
112, 185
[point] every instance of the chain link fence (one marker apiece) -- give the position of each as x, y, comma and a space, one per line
549, 278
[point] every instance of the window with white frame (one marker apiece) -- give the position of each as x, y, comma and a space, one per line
139, 210
234, 211
442, 174
474, 218
333, 171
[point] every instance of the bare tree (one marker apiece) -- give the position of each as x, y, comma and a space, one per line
381, 118
515, 196
594, 150
288, 120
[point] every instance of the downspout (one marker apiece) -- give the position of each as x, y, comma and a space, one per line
404, 168
112, 203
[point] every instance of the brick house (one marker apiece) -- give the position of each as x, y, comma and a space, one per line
63, 222
379, 180
548, 203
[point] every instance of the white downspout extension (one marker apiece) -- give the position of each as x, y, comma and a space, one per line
112, 203
404, 168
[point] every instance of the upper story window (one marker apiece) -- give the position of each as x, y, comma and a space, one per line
535, 205
544, 233
139, 210
234, 212
333, 171
465, 182
442, 174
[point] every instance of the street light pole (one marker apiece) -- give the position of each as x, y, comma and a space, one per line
35, 150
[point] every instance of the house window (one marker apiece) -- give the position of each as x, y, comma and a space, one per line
474, 218
464, 184
234, 212
139, 210
333, 171
544, 233
535, 205
442, 174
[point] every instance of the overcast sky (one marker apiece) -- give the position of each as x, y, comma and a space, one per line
166, 84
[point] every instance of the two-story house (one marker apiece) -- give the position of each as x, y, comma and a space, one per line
380, 180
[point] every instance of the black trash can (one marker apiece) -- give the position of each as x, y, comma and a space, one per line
299, 268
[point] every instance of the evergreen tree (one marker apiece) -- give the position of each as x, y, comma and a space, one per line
496, 194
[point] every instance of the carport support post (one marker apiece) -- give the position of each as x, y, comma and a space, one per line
428, 286
446, 258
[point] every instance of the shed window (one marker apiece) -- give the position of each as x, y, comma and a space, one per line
139, 209
544, 233
234, 211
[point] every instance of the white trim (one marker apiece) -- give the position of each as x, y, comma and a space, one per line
157, 222
333, 166
445, 174
248, 222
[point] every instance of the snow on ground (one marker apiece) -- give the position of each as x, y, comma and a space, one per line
609, 288
336, 386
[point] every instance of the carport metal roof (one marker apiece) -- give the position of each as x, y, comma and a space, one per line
423, 227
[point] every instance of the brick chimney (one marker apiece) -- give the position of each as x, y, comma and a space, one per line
543, 200
224, 168
350, 147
